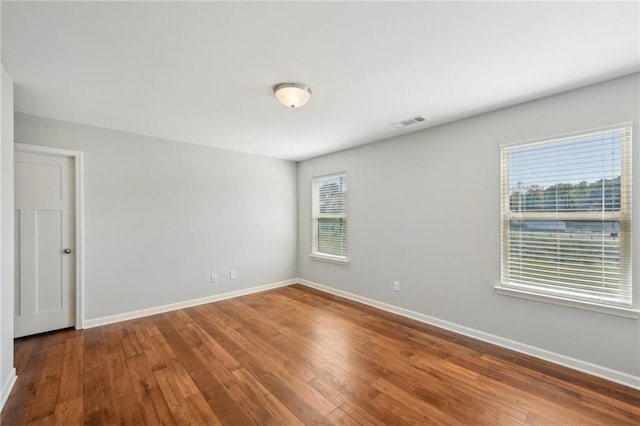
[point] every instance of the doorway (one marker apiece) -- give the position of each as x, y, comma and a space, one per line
48, 239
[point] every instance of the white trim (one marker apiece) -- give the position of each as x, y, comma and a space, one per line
587, 132
343, 172
329, 258
578, 304
41, 149
8, 386
77, 157
566, 361
111, 319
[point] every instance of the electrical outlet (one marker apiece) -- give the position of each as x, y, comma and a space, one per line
232, 275
213, 278
396, 286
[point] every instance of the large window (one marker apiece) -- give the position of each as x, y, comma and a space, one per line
566, 217
329, 206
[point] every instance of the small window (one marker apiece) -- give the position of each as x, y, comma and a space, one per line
329, 207
566, 217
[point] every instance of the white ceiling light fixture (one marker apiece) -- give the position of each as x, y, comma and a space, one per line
292, 95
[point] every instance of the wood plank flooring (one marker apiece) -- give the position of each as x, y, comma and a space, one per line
295, 356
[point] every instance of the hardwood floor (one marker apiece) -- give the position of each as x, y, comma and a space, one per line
296, 356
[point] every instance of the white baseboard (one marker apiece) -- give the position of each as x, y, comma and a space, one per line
6, 389
96, 322
573, 363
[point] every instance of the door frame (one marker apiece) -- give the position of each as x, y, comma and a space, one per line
77, 158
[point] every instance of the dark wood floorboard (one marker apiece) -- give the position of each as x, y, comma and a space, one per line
296, 356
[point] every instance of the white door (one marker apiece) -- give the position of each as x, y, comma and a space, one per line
44, 237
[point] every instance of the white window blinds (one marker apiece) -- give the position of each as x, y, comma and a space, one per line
329, 207
566, 217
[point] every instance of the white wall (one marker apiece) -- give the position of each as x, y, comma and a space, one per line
424, 210
7, 372
160, 216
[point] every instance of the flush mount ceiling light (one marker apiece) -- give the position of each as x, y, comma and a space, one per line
292, 95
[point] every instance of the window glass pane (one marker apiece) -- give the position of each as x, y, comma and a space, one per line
582, 255
581, 174
332, 236
333, 193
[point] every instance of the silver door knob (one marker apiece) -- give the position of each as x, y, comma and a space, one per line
67, 251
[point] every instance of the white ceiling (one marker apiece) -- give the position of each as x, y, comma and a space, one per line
202, 72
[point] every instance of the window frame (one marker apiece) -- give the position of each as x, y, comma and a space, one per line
574, 299
316, 215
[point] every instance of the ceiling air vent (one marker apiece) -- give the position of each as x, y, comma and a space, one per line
409, 122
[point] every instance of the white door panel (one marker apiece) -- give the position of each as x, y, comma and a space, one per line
44, 229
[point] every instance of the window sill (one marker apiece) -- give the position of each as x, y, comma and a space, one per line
578, 304
329, 258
